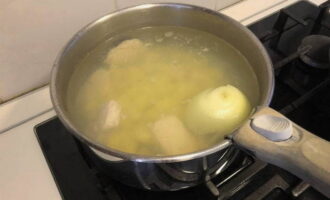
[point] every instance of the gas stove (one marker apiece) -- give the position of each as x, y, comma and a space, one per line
296, 38
301, 92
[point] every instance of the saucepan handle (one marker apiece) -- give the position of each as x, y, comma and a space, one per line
273, 138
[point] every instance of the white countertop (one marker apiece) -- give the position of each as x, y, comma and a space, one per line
24, 173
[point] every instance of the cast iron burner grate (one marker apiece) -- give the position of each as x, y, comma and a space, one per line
302, 92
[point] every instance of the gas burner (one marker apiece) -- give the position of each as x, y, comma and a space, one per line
318, 54
302, 77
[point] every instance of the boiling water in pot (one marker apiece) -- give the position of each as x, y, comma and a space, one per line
136, 92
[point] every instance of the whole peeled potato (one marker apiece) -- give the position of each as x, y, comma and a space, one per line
220, 110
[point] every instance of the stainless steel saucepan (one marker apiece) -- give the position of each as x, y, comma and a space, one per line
267, 134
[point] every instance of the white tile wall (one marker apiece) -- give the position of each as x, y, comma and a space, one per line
205, 3
221, 4
212, 4
31, 34
33, 31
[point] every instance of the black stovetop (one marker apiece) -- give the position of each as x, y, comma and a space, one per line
302, 93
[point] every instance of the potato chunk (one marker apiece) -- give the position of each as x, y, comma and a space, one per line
110, 115
173, 137
126, 53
